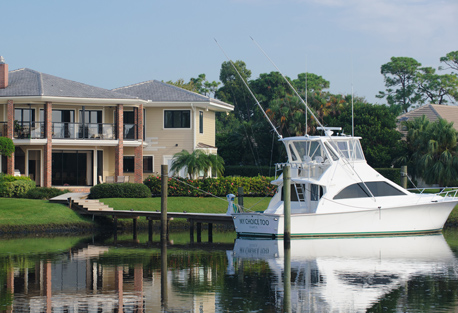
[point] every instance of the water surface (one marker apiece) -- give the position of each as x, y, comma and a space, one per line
100, 274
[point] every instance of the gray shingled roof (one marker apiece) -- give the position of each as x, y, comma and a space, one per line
26, 82
157, 91
433, 112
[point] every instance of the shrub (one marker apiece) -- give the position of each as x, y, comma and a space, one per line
17, 189
124, 190
393, 174
44, 193
252, 186
248, 171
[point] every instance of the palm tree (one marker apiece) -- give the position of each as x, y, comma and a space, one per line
435, 151
196, 162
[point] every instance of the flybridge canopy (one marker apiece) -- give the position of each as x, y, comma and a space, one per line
323, 149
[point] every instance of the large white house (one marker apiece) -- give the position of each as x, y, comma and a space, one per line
75, 135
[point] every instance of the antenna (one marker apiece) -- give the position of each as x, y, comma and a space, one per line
306, 95
252, 94
352, 113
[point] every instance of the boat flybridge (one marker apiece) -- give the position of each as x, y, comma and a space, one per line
335, 192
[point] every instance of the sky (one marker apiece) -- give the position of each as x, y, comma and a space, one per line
115, 43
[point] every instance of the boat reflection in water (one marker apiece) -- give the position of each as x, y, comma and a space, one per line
346, 274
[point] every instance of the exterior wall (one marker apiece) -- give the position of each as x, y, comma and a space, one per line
162, 142
208, 136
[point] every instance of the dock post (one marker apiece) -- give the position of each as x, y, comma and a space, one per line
164, 191
240, 196
191, 231
404, 176
150, 230
287, 202
210, 232
134, 227
199, 232
115, 228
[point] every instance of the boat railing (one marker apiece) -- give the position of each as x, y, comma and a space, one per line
308, 170
446, 192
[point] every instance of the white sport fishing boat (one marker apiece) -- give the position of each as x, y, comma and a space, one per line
334, 192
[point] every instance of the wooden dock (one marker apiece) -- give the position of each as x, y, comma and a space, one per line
96, 208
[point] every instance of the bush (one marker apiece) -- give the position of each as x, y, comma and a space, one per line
393, 174
124, 190
248, 171
252, 186
16, 189
44, 193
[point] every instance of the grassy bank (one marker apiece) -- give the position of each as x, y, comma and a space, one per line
180, 204
38, 215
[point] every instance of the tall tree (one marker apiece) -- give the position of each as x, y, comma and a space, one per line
451, 59
435, 88
377, 127
234, 91
399, 77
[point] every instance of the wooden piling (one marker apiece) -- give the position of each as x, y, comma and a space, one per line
210, 232
164, 191
404, 176
240, 196
287, 202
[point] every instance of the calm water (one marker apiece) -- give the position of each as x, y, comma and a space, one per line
99, 274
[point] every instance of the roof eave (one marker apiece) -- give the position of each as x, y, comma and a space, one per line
42, 99
210, 105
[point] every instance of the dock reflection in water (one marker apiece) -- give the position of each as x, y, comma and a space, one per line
395, 274
350, 274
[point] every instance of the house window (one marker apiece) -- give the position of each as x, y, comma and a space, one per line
148, 164
129, 164
201, 122
24, 115
177, 119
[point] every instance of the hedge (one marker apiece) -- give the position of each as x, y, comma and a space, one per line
252, 186
248, 171
16, 189
44, 193
116, 190
393, 174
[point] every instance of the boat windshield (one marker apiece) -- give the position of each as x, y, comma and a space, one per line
348, 148
307, 151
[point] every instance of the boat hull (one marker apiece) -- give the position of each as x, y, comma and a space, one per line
413, 219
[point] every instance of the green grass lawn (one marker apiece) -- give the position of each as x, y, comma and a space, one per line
23, 212
180, 204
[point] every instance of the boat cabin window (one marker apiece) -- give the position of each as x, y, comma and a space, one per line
378, 189
307, 151
331, 152
350, 148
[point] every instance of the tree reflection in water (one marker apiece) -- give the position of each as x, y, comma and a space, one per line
391, 274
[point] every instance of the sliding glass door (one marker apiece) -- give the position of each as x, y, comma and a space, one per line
72, 168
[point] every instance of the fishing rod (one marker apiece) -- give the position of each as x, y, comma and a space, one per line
252, 94
291, 86
311, 112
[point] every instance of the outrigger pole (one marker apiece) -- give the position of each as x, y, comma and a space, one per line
307, 107
289, 84
252, 94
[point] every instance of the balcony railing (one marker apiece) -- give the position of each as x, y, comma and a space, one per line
36, 130
83, 131
29, 130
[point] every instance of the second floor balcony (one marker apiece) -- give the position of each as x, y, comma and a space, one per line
91, 131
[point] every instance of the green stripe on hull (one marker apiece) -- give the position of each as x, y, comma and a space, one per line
410, 232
